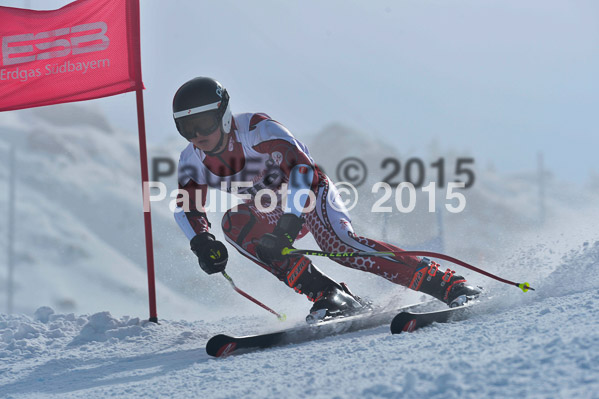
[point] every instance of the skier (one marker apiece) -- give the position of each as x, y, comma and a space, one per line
226, 149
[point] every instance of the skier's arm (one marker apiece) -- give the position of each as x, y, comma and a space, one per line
191, 217
189, 213
293, 160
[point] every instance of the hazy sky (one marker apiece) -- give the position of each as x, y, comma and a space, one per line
498, 80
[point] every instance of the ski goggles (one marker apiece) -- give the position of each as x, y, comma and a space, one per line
204, 124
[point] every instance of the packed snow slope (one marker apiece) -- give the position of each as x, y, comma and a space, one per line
543, 344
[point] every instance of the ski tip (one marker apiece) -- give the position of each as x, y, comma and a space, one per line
220, 345
403, 322
525, 287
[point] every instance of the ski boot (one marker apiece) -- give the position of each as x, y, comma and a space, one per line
446, 287
336, 301
330, 298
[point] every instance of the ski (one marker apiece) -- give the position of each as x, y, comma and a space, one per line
407, 321
222, 345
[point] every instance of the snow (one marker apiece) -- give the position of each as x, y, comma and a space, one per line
79, 328
542, 344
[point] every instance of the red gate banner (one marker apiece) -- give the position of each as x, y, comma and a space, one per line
86, 49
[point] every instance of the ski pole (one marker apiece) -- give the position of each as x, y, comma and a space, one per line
281, 317
289, 251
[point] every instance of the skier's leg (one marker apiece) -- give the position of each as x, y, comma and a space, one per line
331, 227
244, 227
330, 224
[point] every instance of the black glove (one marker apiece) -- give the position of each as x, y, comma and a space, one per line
212, 254
271, 245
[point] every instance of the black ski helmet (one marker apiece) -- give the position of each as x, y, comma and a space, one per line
200, 106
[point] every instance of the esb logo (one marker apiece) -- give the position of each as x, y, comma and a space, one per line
62, 42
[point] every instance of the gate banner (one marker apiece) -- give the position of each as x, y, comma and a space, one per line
84, 50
